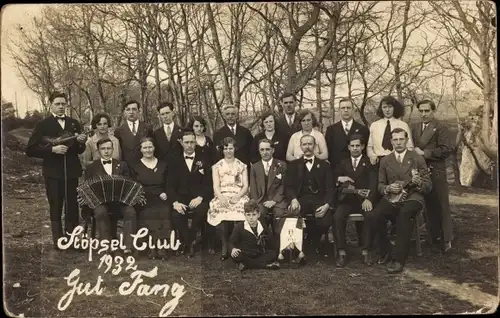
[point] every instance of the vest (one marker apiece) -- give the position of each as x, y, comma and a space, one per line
309, 185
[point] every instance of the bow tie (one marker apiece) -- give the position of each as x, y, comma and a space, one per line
105, 162
188, 157
308, 160
61, 117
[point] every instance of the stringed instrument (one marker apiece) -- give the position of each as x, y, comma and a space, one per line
65, 138
349, 188
408, 186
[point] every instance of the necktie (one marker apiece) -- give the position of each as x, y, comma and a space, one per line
354, 163
232, 130
106, 162
400, 158
308, 160
188, 157
423, 128
266, 170
134, 131
169, 132
346, 129
290, 122
386, 141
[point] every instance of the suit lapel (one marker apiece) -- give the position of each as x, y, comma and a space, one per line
100, 168
360, 167
407, 163
427, 134
55, 123
261, 176
300, 166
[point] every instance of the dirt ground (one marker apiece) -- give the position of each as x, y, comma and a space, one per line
465, 280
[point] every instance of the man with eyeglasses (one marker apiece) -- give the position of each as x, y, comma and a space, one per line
431, 140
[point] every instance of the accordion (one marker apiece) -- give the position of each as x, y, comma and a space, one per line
111, 188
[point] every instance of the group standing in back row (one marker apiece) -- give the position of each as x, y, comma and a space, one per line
290, 172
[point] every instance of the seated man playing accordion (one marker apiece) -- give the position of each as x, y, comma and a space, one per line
107, 166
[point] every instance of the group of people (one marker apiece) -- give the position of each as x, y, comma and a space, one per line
254, 192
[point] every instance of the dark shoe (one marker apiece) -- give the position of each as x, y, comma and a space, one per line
273, 265
341, 261
394, 268
301, 259
223, 257
241, 267
367, 259
384, 259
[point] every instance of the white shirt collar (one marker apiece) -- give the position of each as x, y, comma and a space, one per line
270, 162
232, 126
348, 123
102, 160
310, 158
185, 154
171, 125
57, 117
357, 159
130, 123
403, 154
247, 227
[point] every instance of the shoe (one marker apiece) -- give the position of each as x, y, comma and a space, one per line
301, 259
341, 261
447, 246
394, 268
367, 259
384, 259
281, 257
241, 267
273, 265
223, 257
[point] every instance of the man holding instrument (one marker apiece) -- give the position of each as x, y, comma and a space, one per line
357, 173
399, 173
61, 165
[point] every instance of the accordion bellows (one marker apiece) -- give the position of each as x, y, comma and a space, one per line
105, 189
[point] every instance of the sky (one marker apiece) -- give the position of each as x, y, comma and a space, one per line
13, 15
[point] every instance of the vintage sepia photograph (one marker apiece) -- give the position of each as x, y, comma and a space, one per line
250, 159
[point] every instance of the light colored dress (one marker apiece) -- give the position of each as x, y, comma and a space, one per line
231, 182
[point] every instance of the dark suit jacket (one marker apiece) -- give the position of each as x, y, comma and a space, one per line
246, 241
337, 141
164, 147
184, 185
53, 164
280, 141
275, 183
129, 143
323, 173
365, 176
97, 169
391, 170
243, 139
289, 130
435, 143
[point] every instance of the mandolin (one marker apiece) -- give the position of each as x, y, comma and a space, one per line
408, 186
349, 188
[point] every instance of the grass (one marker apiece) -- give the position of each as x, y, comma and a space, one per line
217, 288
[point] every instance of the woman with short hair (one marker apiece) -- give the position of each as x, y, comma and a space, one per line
308, 122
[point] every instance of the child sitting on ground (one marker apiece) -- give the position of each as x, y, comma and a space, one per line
250, 243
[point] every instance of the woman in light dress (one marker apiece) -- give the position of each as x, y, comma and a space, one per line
308, 122
230, 180
100, 124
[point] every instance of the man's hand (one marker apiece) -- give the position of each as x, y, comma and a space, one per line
235, 252
374, 160
394, 188
366, 205
163, 196
82, 138
195, 202
179, 207
294, 205
345, 179
418, 151
60, 149
321, 211
417, 180
269, 204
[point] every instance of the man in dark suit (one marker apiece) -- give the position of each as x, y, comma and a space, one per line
61, 165
242, 135
356, 171
337, 135
431, 140
109, 166
289, 121
130, 133
168, 136
189, 188
398, 172
267, 184
310, 189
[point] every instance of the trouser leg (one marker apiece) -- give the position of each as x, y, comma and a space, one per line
404, 229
